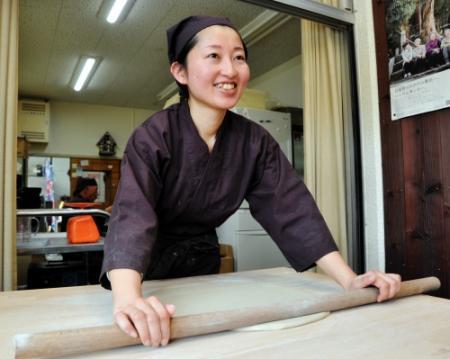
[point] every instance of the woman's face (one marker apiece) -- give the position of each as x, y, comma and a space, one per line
89, 193
216, 71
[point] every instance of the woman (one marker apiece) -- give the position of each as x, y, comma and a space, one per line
407, 56
86, 190
445, 45
433, 48
188, 168
419, 55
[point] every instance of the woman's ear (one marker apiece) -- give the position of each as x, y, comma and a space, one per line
179, 72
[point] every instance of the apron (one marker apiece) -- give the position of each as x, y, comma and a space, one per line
175, 257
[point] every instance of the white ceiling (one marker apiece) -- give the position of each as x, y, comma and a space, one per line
134, 68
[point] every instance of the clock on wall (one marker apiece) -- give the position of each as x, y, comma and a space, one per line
106, 145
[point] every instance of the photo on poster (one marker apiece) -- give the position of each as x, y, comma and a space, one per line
418, 37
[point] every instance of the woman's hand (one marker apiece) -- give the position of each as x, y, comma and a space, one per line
333, 265
387, 283
147, 318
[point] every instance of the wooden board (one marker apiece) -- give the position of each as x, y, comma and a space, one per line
416, 179
65, 308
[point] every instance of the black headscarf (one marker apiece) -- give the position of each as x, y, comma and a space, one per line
180, 34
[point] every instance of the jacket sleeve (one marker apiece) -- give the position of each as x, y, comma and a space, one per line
133, 224
282, 204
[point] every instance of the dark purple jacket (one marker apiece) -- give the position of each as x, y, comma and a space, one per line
171, 185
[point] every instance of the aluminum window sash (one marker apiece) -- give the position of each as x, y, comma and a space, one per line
310, 10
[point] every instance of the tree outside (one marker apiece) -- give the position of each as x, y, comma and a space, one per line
415, 30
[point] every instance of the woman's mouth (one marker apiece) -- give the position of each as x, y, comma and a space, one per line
226, 85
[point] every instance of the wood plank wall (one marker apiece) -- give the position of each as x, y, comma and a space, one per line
416, 176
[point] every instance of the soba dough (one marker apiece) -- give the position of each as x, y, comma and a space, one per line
285, 324
233, 293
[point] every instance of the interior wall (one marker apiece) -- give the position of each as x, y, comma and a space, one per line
283, 84
75, 128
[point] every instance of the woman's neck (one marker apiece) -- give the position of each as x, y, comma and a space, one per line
207, 121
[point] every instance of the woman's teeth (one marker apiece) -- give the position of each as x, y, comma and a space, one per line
226, 86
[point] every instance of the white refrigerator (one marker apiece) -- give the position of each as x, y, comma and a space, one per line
252, 246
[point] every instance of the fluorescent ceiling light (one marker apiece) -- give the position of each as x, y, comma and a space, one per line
116, 10
86, 70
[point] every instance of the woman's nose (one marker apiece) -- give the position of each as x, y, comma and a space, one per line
228, 67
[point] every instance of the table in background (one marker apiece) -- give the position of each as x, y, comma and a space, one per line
51, 243
81, 264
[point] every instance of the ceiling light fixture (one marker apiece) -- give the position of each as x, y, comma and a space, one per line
115, 11
84, 71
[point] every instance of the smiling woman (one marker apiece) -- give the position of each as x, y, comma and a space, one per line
215, 71
188, 168
210, 69
130, 80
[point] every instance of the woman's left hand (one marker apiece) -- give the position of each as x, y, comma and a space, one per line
387, 283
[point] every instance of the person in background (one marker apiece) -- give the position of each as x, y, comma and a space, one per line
188, 168
407, 56
419, 56
433, 47
445, 45
86, 190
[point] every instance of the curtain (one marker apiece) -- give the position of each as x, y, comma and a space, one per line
8, 113
326, 97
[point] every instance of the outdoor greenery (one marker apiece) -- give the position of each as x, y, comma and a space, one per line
415, 18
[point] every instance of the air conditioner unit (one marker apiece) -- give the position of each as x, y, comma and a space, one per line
34, 120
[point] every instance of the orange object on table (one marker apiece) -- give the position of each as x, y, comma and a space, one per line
82, 205
82, 229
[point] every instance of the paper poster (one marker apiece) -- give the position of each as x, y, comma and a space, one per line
418, 37
420, 95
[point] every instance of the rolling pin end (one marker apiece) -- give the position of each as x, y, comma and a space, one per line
21, 341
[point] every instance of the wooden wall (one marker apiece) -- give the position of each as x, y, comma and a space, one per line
416, 175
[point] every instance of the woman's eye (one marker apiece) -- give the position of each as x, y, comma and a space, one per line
240, 58
213, 56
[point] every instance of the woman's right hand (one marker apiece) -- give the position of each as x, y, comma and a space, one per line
147, 318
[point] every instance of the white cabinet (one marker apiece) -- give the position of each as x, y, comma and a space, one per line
278, 124
252, 246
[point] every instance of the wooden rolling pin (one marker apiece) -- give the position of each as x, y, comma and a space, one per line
85, 340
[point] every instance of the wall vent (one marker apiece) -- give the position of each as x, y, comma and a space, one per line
34, 120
